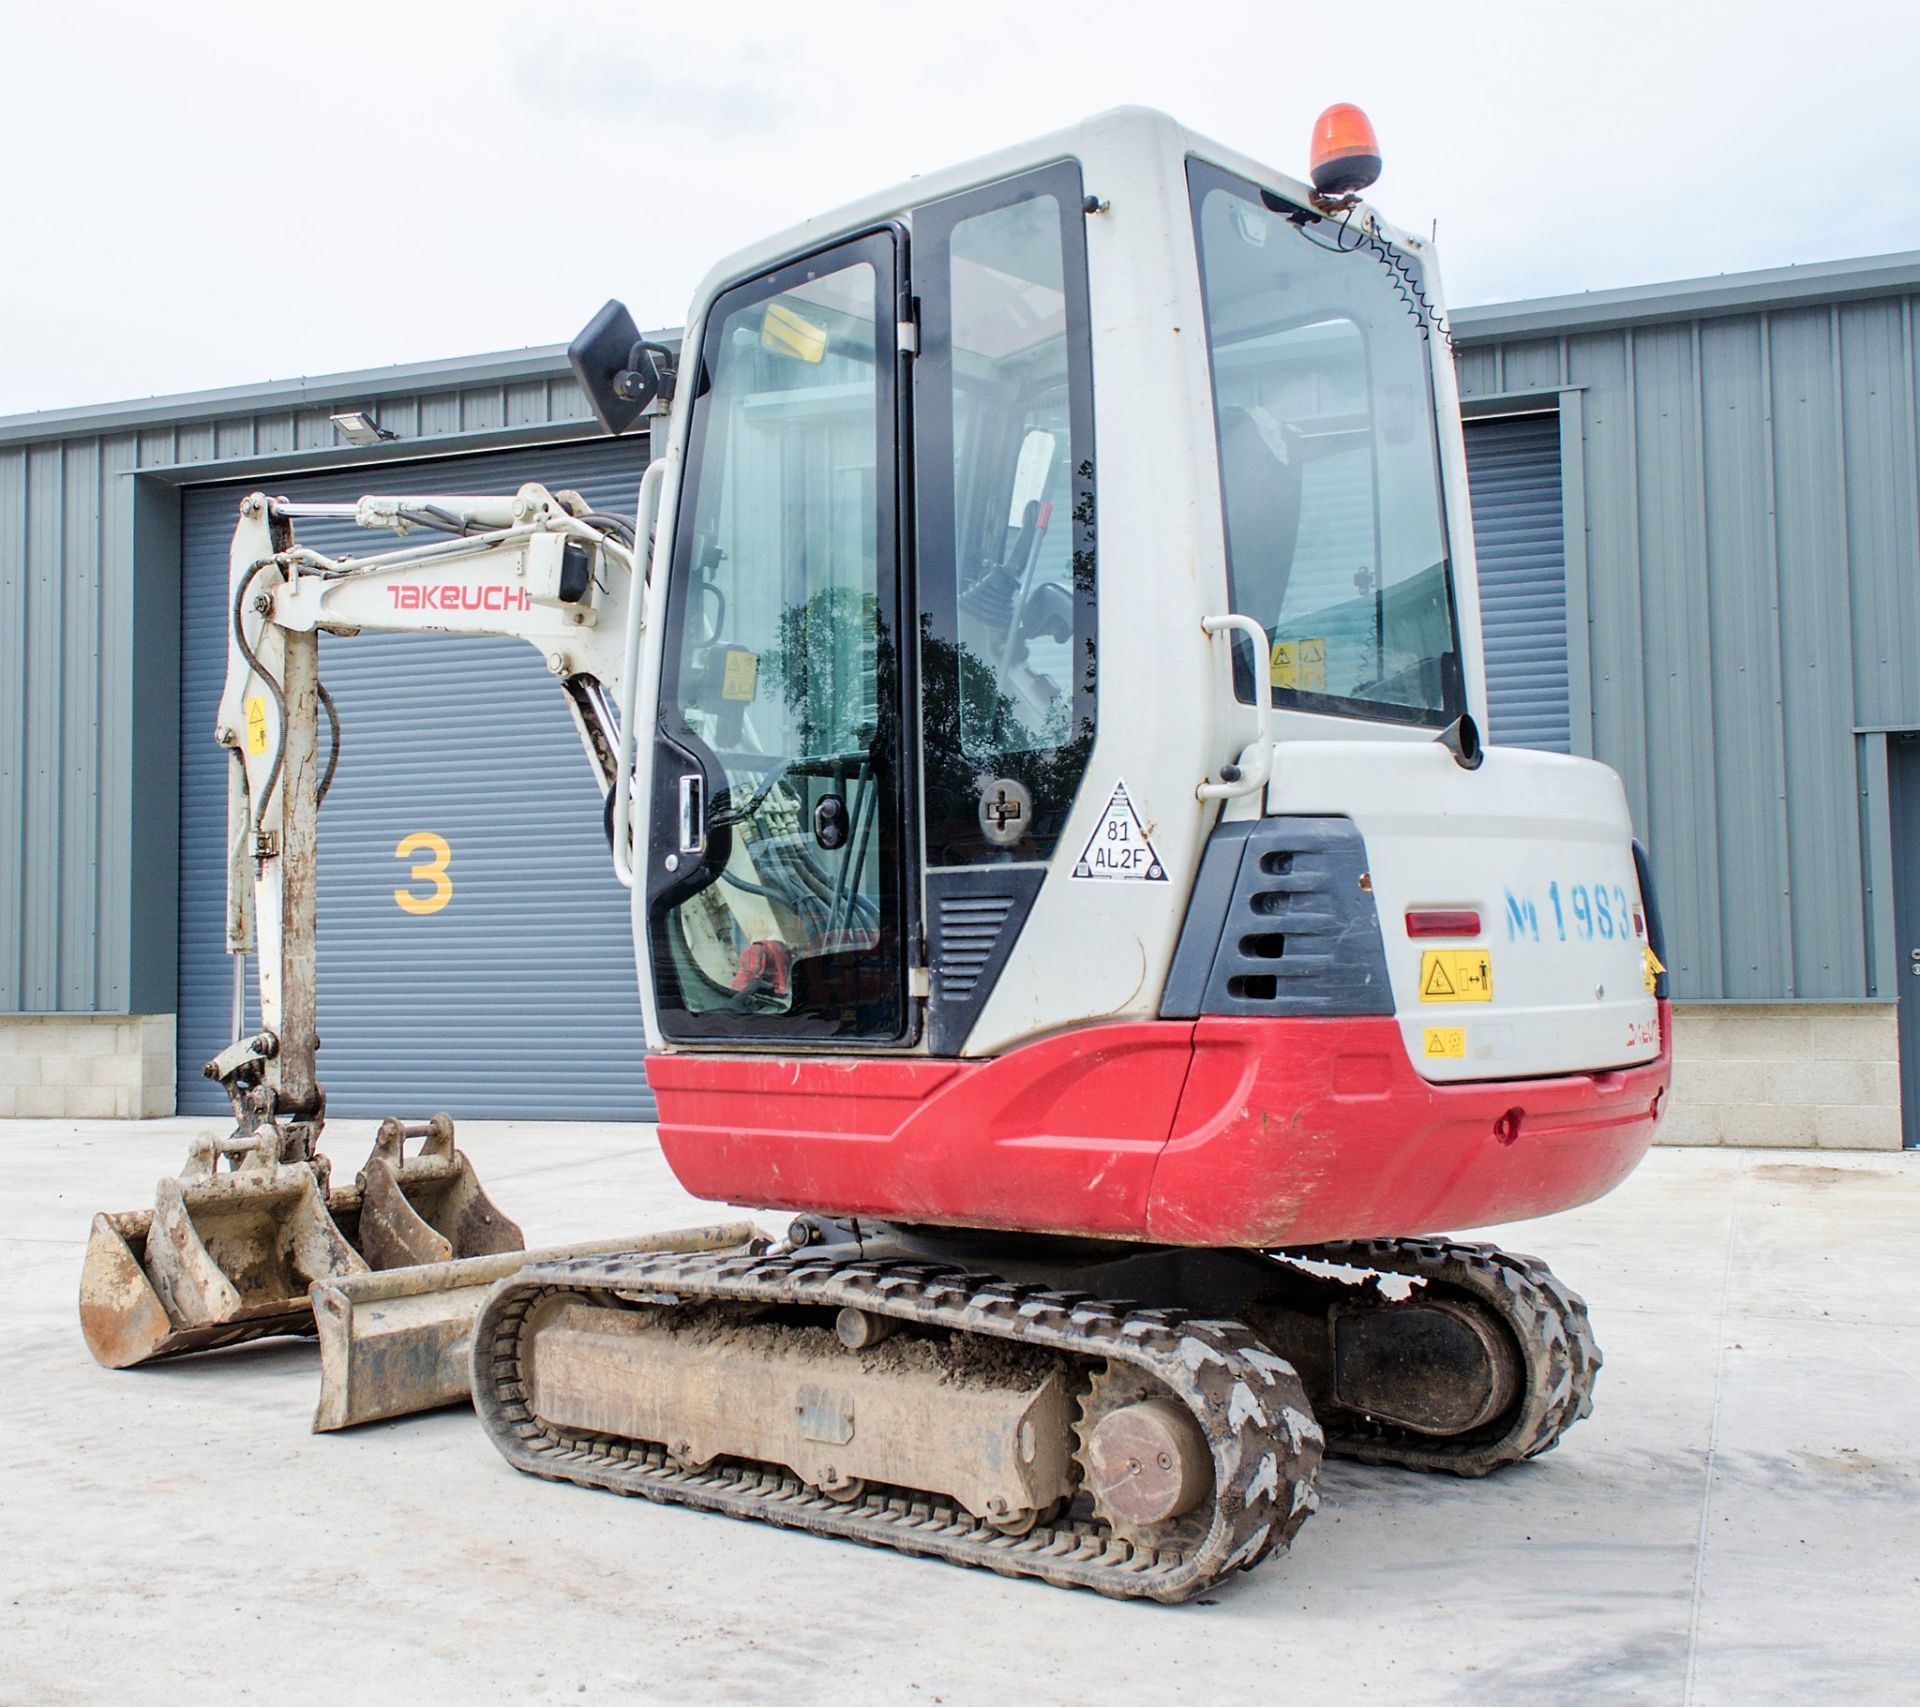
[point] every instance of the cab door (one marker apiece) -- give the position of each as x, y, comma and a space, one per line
780, 883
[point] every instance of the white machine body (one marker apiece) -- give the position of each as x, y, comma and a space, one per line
1536, 848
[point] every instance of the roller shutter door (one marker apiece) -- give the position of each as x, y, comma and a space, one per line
518, 997
1513, 474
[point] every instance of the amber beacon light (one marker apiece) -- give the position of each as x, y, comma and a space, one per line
1346, 157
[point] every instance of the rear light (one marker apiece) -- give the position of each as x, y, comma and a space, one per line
1439, 921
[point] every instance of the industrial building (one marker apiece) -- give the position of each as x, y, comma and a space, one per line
1698, 517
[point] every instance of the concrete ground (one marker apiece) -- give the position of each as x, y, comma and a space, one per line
1739, 1522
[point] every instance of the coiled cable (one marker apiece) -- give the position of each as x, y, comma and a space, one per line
1399, 271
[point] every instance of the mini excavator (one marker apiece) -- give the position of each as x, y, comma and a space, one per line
1038, 707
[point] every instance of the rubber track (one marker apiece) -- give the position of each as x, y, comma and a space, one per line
1560, 1358
1250, 1404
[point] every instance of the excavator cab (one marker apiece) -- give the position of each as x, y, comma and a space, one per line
833, 716
1066, 667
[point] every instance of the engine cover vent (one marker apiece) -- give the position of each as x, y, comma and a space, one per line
1281, 924
974, 915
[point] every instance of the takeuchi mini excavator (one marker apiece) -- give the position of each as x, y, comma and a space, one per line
1038, 708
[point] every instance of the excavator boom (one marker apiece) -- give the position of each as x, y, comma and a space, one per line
254, 1234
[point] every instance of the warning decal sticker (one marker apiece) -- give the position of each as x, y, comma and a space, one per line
1299, 664
1456, 975
1118, 851
257, 724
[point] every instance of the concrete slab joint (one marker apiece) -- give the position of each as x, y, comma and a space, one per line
86, 1066
1805, 1075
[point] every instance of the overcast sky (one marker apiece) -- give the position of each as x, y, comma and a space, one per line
213, 194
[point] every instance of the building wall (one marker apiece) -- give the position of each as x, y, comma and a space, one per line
86, 1066
1809, 1075
90, 642
1744, 592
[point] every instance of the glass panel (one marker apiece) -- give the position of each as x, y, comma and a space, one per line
1329, 462
1012, 469
780, 664
1006, 483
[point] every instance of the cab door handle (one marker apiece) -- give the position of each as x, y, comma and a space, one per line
693, 813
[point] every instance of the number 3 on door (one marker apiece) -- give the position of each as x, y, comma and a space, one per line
432, 869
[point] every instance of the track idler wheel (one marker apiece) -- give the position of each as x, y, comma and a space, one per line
1488, 1360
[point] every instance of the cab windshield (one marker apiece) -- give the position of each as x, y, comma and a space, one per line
1329, 461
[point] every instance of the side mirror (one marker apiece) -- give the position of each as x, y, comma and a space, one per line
620, 371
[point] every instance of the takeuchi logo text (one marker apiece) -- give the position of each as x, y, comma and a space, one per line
455, 595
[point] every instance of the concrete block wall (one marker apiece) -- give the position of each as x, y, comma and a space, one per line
1805, 1075
86, 1066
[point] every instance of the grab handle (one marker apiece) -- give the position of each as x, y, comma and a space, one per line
630, 672
1236, 783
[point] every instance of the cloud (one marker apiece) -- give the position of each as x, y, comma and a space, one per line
620, 83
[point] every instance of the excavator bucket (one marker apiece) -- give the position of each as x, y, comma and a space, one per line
426, 1208
220, 1258
228, 1256
397, 1342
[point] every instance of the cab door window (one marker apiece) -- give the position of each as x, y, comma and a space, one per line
1004, 437
778, 885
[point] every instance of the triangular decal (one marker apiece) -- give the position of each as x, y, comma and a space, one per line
1119, 851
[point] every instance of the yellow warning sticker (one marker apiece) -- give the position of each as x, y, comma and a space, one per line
788, 334
257, 724
1446, 1043
740, 675
1456, 975
1650, 968
1300, 664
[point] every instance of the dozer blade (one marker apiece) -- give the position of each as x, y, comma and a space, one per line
397, 1342
219, 1259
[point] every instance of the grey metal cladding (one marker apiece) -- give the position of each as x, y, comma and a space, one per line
1748, 467
1513, 470
1281, 926
88, 649
520, 996
1749, 478
974, 915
